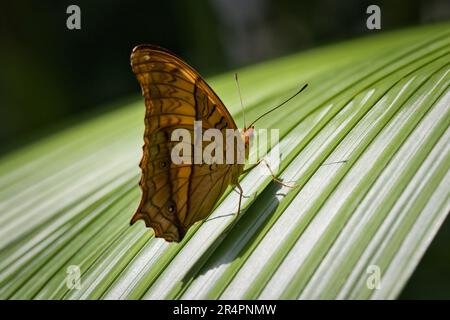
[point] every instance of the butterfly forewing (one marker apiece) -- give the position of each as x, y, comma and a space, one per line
175, 196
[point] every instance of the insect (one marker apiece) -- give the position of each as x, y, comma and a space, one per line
175, 196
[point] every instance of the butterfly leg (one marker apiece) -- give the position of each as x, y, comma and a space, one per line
238, 192
274, 177
252, 167
241, 194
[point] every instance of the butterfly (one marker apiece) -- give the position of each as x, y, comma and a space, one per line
177, 195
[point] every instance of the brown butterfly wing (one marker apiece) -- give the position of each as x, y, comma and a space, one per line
176, 196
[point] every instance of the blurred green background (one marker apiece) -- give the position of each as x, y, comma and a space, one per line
50, 74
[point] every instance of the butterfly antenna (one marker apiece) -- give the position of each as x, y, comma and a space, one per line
280, 105
240, 97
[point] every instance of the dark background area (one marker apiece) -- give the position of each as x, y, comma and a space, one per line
50, 74
431, 279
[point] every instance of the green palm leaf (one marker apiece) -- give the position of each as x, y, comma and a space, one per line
368, 144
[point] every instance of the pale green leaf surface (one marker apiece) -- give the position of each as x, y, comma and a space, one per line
368, 144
